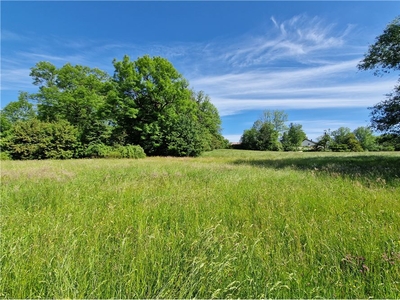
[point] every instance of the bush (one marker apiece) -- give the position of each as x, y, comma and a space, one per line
104, 151
4, 155
34, 139
131, 151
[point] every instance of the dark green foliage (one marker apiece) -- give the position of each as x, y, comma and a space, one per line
388, 142
35, 139
352, 143
210, 122
144, 93
148, 101
383, 56
385, 53
185, 139
268, 138
386, 114
249, 139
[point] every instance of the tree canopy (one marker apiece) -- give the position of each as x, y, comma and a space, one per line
383, 56
146, 102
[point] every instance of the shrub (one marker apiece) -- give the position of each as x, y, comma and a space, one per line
4, 155
34, 139
104, 151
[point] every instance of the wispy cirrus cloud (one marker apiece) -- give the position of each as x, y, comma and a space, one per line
295, 38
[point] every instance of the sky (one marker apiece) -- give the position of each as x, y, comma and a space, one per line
296, 56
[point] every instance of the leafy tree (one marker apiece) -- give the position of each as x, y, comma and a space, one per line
265, 132
366, 138
210, 121
388, 142
293, 138
249, 139
267, 138
15, 111
339, 136
324, 141
147, 102
383, 56
75, 94
20, 110
352, 143
275, 117
186, 137
344, 140
146, 90
386, 114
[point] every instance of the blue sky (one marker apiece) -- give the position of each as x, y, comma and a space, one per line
300, 56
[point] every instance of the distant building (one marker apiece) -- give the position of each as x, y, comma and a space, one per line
308, 143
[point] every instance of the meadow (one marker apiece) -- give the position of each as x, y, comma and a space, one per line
228, 224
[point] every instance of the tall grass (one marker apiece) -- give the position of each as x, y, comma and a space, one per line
231, 223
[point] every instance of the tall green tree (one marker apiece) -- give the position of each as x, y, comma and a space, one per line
275, 117
267, 138
210, 122
75, 94
20, 110
339, 135
383, 56
344, 140
264, 135
324, 141
149, 98
293, 138
366, 138
249, 139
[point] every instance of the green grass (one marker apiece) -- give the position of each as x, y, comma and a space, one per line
229, 224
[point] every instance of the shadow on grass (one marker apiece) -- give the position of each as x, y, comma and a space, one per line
370, 169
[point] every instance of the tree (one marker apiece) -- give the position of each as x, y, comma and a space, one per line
268, 138
293, 138
148, 101
344, 140
383, 56
366, 138
145, 91
275, 117
339, 135
264, 135
75, 94
386, 114
20, 110
249, 139
324, 141
210, 121
352, 143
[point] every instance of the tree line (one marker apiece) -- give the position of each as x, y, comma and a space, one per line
146, 107
271, 133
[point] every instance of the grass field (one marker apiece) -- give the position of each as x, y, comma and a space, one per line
229, 224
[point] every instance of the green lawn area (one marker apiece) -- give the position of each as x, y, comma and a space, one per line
228, 224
